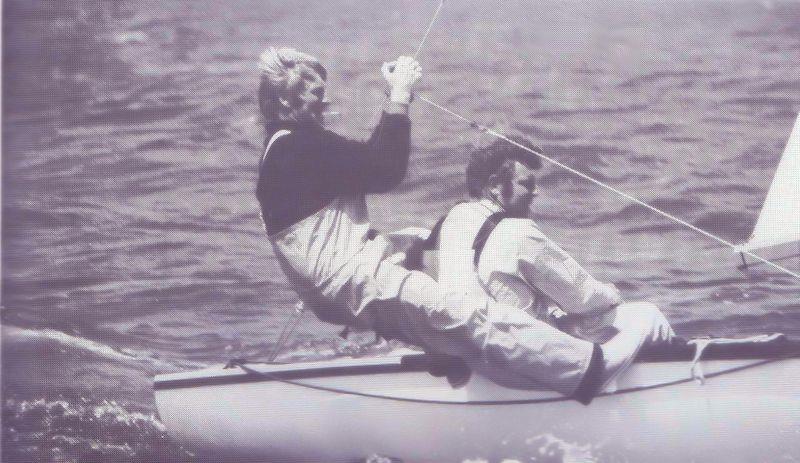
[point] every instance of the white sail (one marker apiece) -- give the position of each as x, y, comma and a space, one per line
779, 221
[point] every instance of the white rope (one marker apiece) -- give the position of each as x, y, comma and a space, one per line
700, 345
428, 31
288, 330
499, 135
375, 118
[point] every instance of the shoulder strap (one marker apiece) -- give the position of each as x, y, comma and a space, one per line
272, 140
485, 232
432, 241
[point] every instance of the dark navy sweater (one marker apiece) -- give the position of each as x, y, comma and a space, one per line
309, 168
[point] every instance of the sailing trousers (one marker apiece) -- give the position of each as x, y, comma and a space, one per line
499, 341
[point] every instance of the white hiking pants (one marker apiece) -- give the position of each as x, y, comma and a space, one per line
499, 341
505, 344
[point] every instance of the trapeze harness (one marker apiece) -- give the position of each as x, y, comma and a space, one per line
275, 137
491, 222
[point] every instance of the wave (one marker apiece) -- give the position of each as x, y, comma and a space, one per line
779, 102
731, 82
59, 340
659, 228
133, 114
687, 76
18, 218
157, 145
531, 95
539, 133
759, 156
724, 189
201, 226
83, 430
656, 129
682, 139
783, 86
731, 225
602, 111
635, 212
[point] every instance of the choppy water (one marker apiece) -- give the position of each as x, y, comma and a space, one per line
131, 240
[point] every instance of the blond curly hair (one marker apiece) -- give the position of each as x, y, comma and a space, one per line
278, 68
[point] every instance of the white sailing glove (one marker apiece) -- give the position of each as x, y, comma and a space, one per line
662, 330
401, 75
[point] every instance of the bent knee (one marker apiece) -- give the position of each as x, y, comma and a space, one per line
454, 310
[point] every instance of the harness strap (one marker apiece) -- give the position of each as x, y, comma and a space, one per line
272, 140
485, 232
275, 137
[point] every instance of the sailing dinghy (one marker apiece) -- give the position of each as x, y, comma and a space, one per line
733, 401
779, 220
706, 400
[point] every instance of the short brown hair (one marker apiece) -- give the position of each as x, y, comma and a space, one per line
496, 158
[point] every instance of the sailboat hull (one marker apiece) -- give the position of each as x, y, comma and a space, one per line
747, 410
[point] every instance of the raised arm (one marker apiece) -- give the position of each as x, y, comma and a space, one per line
374, 166
381, 163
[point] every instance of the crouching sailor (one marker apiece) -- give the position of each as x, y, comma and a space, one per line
490, 245
312, 186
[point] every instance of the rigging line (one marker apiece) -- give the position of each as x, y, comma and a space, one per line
287, 331
499, 135
419, 49
427, 32
430, 27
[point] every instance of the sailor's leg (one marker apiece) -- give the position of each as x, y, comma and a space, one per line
601, 327
636, 324
491, 337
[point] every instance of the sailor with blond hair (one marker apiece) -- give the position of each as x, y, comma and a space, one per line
311, 188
